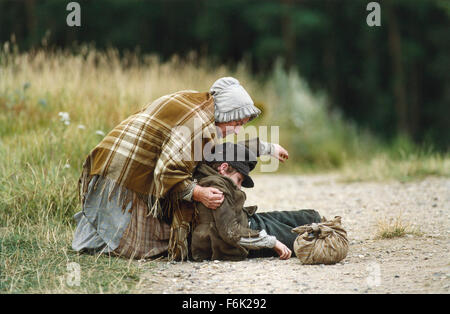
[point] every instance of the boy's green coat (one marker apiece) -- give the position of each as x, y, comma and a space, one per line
217, 232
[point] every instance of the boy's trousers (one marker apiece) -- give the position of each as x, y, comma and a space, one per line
280, 224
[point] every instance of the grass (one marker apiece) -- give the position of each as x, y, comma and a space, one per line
389, 228
35, 259
415, 166
42, 150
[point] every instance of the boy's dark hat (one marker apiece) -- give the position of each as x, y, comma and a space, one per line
237, 156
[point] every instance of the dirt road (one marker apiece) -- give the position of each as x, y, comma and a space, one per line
416, 263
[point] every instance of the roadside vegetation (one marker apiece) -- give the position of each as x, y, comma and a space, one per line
56, 106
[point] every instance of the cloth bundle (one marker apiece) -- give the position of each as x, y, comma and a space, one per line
321, 243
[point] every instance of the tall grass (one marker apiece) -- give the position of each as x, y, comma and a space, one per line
42, 149
316, 136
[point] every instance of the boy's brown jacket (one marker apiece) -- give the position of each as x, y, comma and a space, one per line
217, 232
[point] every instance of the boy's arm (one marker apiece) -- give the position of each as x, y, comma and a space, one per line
266, 241
262, 241
227, 224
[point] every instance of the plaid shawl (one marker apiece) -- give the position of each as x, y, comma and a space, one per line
150, 155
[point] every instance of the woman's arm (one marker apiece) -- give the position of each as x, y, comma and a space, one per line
209, 196
179, 165
265, 148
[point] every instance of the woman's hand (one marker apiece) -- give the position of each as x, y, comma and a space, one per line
279, 152
208, 196
282, 250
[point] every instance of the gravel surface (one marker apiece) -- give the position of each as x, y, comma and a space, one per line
415, 263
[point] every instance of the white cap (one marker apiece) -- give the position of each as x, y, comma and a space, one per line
232, 102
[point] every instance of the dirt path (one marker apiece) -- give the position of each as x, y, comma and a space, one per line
416, 263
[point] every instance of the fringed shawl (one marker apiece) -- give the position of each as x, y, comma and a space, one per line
153, 153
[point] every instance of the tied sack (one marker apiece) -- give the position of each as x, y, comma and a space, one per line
321, 243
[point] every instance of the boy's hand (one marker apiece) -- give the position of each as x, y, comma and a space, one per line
208, 196
279, 152
282, 250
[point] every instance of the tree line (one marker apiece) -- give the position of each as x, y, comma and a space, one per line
392, 78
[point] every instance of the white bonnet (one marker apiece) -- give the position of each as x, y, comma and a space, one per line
232, 102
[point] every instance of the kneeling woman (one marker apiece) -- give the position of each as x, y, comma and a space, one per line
136, 187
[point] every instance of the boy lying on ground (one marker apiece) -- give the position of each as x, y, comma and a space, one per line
235, 232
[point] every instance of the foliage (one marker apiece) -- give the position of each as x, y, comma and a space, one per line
392, 79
